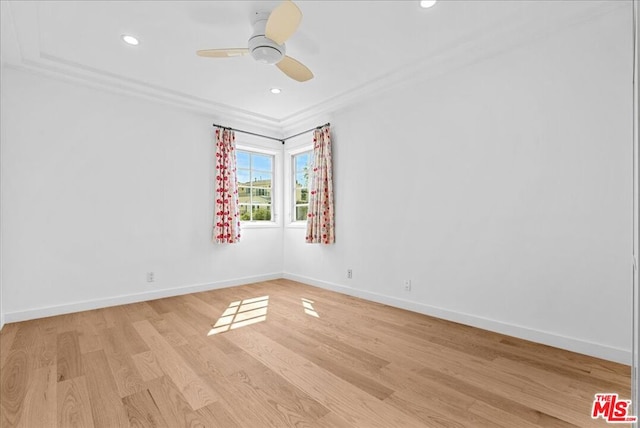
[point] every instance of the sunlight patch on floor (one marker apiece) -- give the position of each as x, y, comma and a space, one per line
241, 313
308, 308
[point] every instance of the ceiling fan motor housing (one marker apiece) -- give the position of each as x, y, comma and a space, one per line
261, 47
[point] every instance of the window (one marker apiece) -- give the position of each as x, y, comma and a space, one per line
300, 168
255, 184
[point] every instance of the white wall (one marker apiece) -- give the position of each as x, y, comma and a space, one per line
98, 189
3, 107
635, 384
510, 180
502, 190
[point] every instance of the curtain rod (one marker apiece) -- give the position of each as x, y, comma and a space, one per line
282, 140
250, 133
308, 130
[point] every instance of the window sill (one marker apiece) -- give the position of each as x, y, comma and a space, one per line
259, 225
297, 225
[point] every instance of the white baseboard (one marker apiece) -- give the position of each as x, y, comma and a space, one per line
87, 305
617, 355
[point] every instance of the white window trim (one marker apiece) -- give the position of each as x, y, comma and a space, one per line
276, 189
288, 186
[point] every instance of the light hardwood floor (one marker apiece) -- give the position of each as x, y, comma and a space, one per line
355, 364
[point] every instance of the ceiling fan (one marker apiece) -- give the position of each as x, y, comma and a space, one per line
266, 45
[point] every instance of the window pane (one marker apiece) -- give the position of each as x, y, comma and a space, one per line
261, 179
302, 195
301, 212
244, 177
255, 179
302, 160
261, 162
245, 214
261, 212
261, 195
243, 159
244, 195
302, 179
301, 169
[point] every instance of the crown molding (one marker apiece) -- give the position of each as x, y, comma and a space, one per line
473, 49
22, 42
53, 66
511, 34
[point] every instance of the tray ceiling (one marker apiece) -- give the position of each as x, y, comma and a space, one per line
353, 47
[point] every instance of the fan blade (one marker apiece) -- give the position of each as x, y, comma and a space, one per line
222, 53
283, 22
294, 69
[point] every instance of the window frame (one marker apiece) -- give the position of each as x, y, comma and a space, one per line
275, 188
290, 199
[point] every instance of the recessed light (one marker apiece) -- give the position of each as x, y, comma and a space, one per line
275, 90
130, 40
427, 3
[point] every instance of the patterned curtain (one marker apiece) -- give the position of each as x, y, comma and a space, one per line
320, 226
226, 225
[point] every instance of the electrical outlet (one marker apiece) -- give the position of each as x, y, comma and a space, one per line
151, 277
349, 273
407, 285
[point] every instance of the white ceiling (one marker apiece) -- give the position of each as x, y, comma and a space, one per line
353, 47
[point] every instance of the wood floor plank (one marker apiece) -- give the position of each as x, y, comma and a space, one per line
140, 311
430, 416
143, 412
447, 394
295, 406
341, 397
508, 419
287, 402
333, 363
129, 339
355, 364
92, 322
247, 403
106, 406
161, 306
147, 365
69, 357
15, 379
366, 359
89, 342
173, 407
74, 408
27, 335
7, 336
216, 415
167, 331
181, 327
44, 353
125, 373
114, 316
331, 421
40, 401
236, 390
197, 393
537, 396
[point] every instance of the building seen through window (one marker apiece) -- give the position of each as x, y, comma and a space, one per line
255, 181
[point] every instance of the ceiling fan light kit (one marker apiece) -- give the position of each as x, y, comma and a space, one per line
266, 44
262, 48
